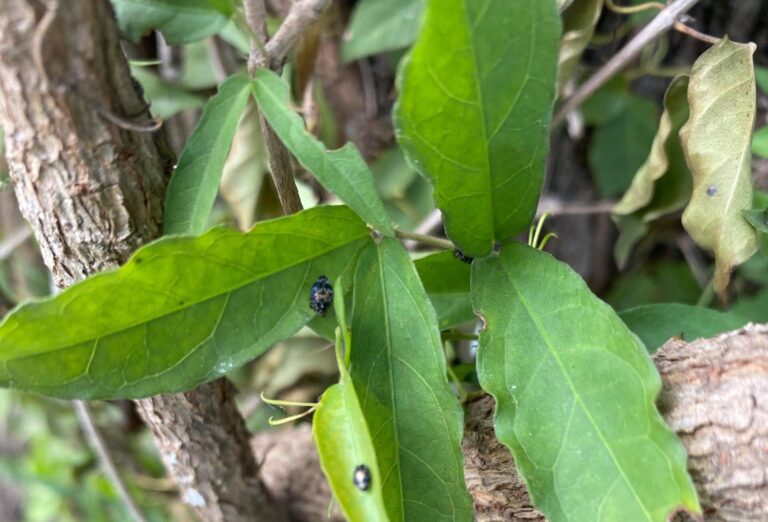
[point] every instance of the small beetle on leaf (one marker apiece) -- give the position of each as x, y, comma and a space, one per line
321, 295
362, 477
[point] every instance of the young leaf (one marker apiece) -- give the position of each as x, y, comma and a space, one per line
717, 141
655, 324
343, 171
579, 21
575, 393
474, 111
165, 99
180, 21
195, 181
399, 372
377, 27
181, 311
446, 280
344, 443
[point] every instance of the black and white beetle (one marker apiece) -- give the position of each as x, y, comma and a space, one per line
362, 477
321, 295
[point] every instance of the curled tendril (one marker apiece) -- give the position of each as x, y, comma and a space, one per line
274, 402
535, 231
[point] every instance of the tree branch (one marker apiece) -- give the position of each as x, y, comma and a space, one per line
663, 22
93, 192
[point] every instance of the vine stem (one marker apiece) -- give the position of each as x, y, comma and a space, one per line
436, 242
663, 22
96, 441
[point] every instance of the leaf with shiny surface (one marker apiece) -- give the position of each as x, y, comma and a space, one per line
180, 21
195, 181
181, 311
343, 171
474, 110
575, 393
399, 372
716, 141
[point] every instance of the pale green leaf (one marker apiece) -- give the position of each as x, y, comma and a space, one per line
657, 164
165, 99
620, 146
446, 280
195, 181
399, 372
579, 21
575, 395
474, 112
343, 443
378, 26
343, 171
655, 324
245, 168
181, 311
180, 21
760, 142
717, 141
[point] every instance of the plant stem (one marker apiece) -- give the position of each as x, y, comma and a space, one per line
436, 242
96, 441
663, 22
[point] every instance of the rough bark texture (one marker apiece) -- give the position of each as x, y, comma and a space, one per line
715, 397
93, 190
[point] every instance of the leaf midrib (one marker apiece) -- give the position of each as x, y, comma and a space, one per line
577, 396
190, 304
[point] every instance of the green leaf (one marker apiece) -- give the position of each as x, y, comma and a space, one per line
575, 393
181, 311
579, 21
662, 185
666, 282
165, 99
655, 324
658, 162
195, 181
619, 147
474, 112
760, 142
717, 141
753, 308
758, 218
761, 76
378, 26
343, 171
446, 280
343, 443
399, 372
180, 21
245, 168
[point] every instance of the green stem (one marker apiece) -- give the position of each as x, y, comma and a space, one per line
707, 294
426, 240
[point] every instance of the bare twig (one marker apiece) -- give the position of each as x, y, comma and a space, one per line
256, 18
96, 441
16, 238
663, 22
282, 170
302, 15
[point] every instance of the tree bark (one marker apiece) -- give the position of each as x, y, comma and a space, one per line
92, 184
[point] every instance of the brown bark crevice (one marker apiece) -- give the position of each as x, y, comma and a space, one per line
93, 191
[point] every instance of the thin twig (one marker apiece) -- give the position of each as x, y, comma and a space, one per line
426, 240
557, 207
281, 169
663, 22
256, 18
96, 442
13, 241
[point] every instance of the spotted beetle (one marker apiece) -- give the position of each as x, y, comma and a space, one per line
321, 296
362, 477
